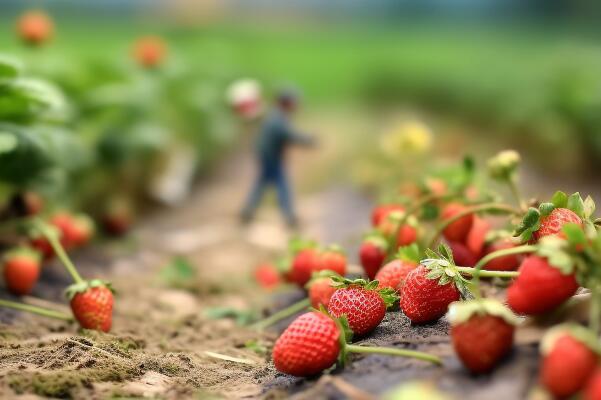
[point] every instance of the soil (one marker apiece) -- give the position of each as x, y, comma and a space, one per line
161, 331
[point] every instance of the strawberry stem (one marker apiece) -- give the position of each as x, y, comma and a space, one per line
394, 352
59, 250
477, 270
515, 191
471, 210
488, 274
36, 310
282, 314
392, 247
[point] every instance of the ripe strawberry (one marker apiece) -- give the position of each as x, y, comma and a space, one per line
150, 51
407, 235
458, 230
92, 304
117, 218
303, 265
592, 390
21, 270
267, 276
39, 242
504, 263
462, 255
540, 287
26, 204
75, 230
425, 300
381, 212
482, 333
476, 238
35, 27
436, 186
372, 254
393, 274
363, 304
568, 362
320, 291
333, 260
310, 344
551, 225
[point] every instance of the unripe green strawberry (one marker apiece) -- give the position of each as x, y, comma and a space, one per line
92, 304
21, 269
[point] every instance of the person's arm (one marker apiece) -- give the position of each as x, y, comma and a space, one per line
297, 137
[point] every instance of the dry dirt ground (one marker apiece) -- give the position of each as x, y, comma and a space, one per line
160, 338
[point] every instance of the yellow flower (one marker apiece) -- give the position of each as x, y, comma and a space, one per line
407, 137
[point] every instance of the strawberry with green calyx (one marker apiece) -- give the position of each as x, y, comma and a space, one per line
400, 229
41, 243
458, 219
321, 288
21, 270
393, 274
503, 168
363, 304
304, 263
35, 310
545, 281
333, 259
482, 332
91, 301
372, 254
315, 341
381, 212
570, 354
549, 218
92, 304
76, 230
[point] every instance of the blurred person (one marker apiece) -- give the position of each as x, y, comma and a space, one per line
275, 136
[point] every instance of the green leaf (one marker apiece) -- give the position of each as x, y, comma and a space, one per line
9, 67
546, 208
8, 142
576, 204
179, 273
560, 199
554, 250
574, 234
409, 253
589, 207
530, 224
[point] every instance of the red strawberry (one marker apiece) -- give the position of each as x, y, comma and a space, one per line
362, 303
75, 230
436, 186
540, 287
476, 238
458, 230
35, 27
593, 387
150, 51
267, 276
425, 300
551, 225
372, 255
21, 270
407, 235
321, 291
309, 345
504, 263
482, 333
567, 363
462, 255
381, 212
303, 265
393, 274
92, 304
333, 260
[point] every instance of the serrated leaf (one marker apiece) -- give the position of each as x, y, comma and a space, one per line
435, 274
576, 204
530, 220
409, 253
589, 207
546, 208
560, 199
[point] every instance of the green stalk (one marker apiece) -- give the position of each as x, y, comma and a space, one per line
410, 211
489, 274
59, 250
282, 314
470, 210
477, 270
394, 352
36, 310
595, 310
515, 191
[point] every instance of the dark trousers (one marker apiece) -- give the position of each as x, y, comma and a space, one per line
270, 175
